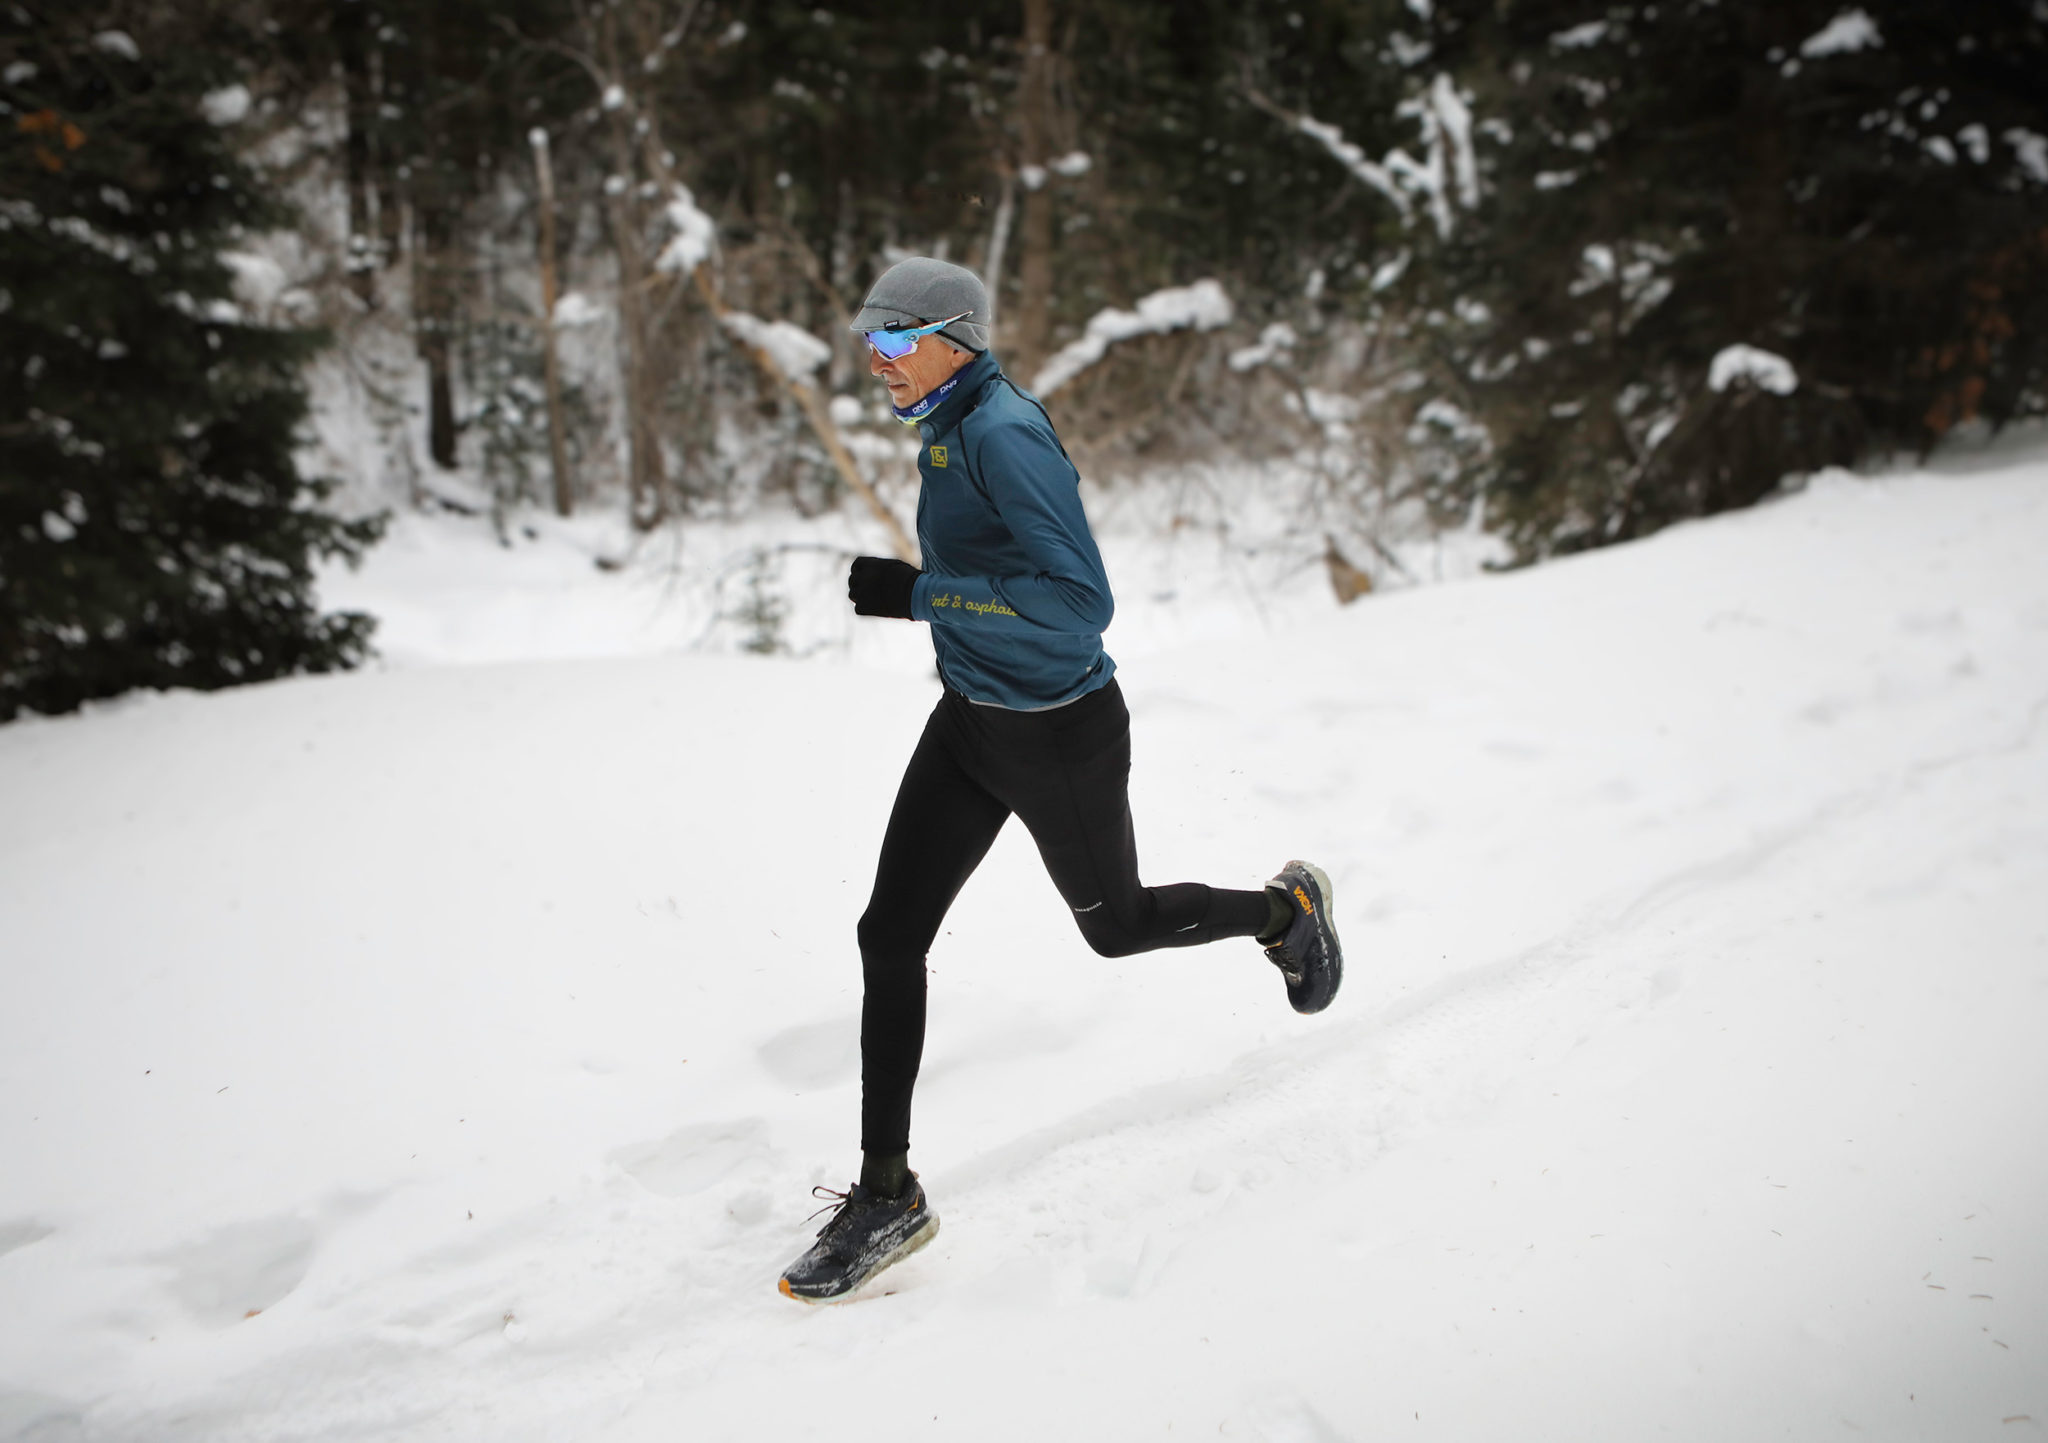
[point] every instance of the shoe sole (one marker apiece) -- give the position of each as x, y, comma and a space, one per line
895, 1255
1327, 925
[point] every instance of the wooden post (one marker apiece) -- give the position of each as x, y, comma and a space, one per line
558, 443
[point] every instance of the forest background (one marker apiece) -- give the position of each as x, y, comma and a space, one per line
1562, 271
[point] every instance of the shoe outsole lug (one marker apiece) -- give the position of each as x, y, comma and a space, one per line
894, 1256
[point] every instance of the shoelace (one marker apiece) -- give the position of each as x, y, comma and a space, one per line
839, 1200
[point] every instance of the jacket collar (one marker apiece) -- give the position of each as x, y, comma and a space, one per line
968, 381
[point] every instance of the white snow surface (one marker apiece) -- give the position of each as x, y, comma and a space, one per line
228, 105
1355, 160
1848, 32
2031, 151
1446, 123
696, 234
446, 1052
1581, 37
1275, 341
1203, 306
795, 351
577, 309
1445, 119
1766, 370
117, 42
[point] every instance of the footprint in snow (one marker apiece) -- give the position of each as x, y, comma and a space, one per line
1284, 1418
40, 1417
691, 1159
816, 1054
20, 1233
239, 1271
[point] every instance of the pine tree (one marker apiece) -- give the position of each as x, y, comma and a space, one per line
155, 530
1848, 188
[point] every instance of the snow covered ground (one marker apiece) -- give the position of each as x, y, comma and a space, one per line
446, 1052
1196, 554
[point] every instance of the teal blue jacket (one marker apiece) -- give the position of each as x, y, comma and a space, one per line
1013, 584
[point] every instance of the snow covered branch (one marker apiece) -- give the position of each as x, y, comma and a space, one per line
1766, 370
696, 234
797, 353
1354, 160
1202, 306
1448, 171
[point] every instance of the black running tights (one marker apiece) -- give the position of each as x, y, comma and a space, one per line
1064, 772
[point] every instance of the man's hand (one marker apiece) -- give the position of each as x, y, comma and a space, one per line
878, 586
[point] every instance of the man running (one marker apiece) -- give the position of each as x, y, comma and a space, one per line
1032, 723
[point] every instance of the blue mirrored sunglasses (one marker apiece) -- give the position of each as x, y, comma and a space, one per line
894, 344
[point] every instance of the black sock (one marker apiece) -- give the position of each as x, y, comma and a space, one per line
1279, 912
885, 1174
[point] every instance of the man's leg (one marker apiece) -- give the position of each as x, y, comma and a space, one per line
1072, 792
941, 827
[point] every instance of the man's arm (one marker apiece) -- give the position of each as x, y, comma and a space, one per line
1036, 493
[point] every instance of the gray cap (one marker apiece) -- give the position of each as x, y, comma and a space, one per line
921, 290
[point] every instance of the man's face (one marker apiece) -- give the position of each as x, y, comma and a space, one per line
912, 377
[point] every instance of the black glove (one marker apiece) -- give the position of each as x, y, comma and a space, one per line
878, 586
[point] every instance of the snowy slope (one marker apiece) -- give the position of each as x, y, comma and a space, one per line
446, 1053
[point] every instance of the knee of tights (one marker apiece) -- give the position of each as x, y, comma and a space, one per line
1106, 936
882, 937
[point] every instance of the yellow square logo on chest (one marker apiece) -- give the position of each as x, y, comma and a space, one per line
939, 457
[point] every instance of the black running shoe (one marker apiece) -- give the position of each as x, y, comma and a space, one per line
864, 1235
1307, 953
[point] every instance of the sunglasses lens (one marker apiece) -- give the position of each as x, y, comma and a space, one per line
893, 345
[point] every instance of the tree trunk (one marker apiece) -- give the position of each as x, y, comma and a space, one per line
434, 324
647, 469
350, 25
847, 349
1034, 270
386, 189
558, 444
646, 479
998, 242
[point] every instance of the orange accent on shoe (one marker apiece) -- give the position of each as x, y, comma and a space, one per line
1306, 905
783, 1285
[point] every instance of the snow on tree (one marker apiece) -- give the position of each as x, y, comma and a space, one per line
1805, 196
1202, 306
155, 530
1757, 367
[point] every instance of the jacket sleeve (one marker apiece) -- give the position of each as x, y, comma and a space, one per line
1037, 494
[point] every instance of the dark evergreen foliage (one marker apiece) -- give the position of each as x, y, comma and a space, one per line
1696, 174
154, 528
1661, 181
864, 126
